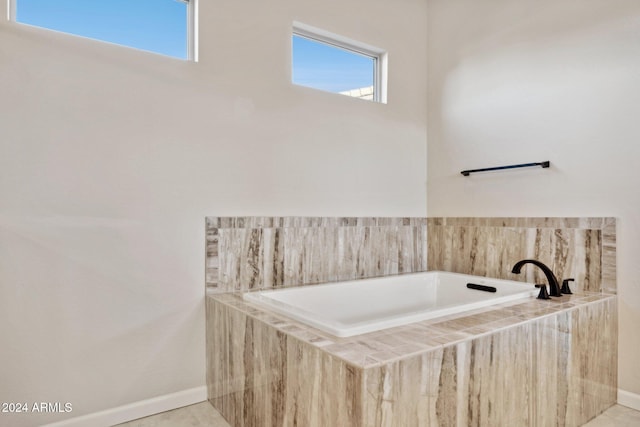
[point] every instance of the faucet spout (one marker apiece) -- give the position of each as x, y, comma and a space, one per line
554, 287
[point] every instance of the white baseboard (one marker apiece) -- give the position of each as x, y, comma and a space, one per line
133, 411
628, 399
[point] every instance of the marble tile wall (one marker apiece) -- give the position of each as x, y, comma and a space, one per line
261, 377
541, 373
555, 368
245, 253
581, 248
539, 363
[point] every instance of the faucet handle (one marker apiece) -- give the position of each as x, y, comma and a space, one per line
543, 292
565, 286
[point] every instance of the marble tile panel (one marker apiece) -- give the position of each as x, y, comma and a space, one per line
412, 383
245, 253
550, 370
259, 363
594, 361
580, 248
433, 332
538, 373
260, 376
609, 260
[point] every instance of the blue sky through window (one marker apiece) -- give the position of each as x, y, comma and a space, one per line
154, 25
161, 26
330, 68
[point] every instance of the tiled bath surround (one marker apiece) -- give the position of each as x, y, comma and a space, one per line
581, 248
529, 363
534, 363
245, 253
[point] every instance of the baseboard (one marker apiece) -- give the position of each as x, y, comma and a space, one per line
628, 399
133, 411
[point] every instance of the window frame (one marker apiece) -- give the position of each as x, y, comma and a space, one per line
192, 29
379, 56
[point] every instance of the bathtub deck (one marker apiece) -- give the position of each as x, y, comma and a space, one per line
532, 363
381, 347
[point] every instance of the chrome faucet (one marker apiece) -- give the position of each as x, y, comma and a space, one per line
554, 287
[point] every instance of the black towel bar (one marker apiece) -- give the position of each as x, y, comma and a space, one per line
523, 165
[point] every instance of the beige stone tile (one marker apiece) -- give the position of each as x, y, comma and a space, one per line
246, 253
201, 414
205, 415
257, 354
616, 416
409, 360
582, 248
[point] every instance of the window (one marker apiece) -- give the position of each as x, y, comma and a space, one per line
167, 27
332, 63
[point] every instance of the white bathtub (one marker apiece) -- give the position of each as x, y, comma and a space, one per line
355, 307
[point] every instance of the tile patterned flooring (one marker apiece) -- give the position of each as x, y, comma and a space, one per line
200, 414
203, 414
616, 416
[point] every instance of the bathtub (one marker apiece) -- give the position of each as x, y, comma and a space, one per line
356, 307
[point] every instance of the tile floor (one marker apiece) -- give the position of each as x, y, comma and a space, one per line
203, 414
616, 416
200, 414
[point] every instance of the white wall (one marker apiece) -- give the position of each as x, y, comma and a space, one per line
110, 159
517, 81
